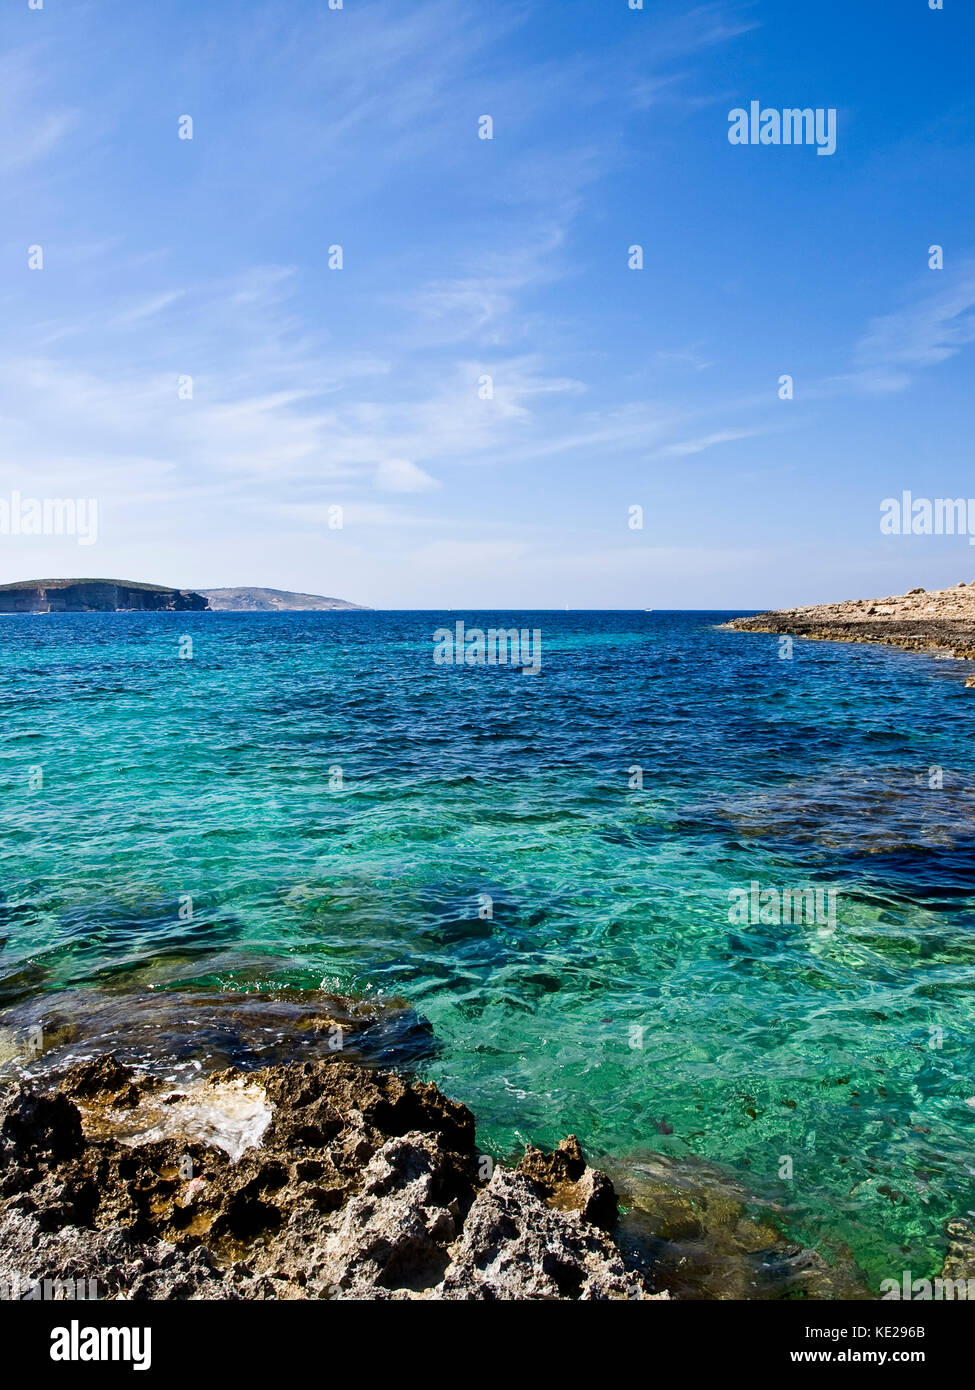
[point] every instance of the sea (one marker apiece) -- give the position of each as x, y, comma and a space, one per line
681, 891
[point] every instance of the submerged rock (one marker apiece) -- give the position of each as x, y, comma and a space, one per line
317, 1179
695, 1226
182, 1032
960, 1258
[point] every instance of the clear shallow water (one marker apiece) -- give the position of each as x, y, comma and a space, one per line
210, 777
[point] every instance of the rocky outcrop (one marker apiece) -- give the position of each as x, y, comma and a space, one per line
943, 620
312, 1180
95, 596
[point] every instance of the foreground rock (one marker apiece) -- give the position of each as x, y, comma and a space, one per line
310, 1180
943, 620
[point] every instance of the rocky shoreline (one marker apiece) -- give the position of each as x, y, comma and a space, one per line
939, 621
311, 1180
327, 1179
169, 1104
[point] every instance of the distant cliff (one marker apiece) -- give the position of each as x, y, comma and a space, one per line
95, 596
273, 601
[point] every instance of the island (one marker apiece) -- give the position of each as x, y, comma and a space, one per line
132, 596
275, 601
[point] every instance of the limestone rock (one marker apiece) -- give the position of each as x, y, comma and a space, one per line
940, 620
515, 1246
356, 1185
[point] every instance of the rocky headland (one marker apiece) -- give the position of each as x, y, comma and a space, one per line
942, 620
96, 596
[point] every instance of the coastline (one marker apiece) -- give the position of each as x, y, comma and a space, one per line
310, 1180
316, 1166
327, 1179
310, 1172
941, 621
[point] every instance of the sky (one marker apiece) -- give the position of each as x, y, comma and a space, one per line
357, 394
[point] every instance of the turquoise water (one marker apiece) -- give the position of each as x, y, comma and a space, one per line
210, 777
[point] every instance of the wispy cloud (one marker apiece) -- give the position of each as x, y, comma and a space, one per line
685, 447
400, 475
690, 358
935, 326
484, 383
147, 308
936, 322
32, 129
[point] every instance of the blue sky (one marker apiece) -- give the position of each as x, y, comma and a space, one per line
358, 388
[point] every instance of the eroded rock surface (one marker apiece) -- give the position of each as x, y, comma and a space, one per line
356, 1184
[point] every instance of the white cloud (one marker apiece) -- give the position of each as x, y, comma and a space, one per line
400, 475
936, 326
